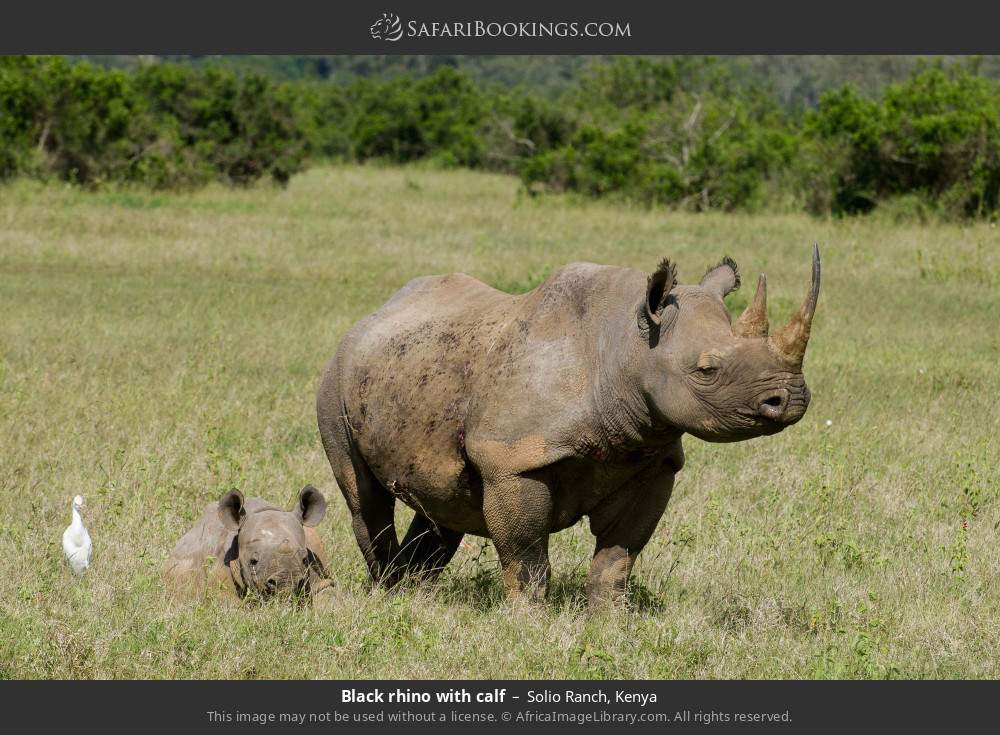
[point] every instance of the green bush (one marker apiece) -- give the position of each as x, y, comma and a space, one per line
324, 116
441, 116
236, 129
20, 102
681, 132
72, 121
164, 126
519, 126
673, 132
935, 135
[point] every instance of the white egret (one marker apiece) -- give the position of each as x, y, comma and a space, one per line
76, 541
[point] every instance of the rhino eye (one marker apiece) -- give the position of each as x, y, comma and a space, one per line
253, 561
708, 370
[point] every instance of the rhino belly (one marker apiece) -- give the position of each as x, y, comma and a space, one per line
421, 466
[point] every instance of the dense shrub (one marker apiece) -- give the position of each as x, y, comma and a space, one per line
676, 131
74, 121
164, 126
214, 123
441, 116
519, 126
323, 112
935, 135
672, 132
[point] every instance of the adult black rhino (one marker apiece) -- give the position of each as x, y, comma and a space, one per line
514, 416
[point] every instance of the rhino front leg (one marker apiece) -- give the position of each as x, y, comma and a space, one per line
622, 530
518, 512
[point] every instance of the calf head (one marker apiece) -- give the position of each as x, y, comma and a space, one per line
717, 379
273, 554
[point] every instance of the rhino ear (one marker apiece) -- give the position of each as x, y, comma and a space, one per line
312, 506
231, 511
658, 289
723, 278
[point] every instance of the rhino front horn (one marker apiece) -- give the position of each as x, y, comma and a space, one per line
753, 320
791, 340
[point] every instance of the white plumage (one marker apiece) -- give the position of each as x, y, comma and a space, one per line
76, 540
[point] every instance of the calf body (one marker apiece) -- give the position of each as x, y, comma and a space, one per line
251, 546
513, 417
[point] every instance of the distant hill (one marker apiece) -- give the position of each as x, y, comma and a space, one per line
795, 80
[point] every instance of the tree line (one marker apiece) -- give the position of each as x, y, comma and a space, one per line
685, 132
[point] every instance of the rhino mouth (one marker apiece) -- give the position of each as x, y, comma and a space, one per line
286, 591
278, 583
271, 590
770, 412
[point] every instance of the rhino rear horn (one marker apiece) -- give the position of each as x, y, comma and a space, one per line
753, 320
312, 506
791, 340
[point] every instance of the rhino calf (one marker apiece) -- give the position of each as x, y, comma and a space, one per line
251, 546
513, 417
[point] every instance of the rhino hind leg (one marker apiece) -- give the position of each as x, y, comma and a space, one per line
427, 547
372, 510
373, 522
371, 506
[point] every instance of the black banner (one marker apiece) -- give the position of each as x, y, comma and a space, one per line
511, 27
500, 706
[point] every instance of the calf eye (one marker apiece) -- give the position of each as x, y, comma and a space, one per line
253, 561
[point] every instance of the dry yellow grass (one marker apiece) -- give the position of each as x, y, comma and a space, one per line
156, 350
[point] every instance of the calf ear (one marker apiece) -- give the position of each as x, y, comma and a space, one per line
658, 288
312, 506
723, 278
231, 511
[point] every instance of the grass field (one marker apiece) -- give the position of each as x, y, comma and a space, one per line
158, 349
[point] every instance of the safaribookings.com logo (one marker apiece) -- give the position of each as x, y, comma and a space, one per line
390, 28
387, 28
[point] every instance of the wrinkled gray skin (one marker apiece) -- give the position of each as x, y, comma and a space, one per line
251, 547
513, 417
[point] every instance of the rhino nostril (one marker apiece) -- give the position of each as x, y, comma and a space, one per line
772, 406
271, 585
